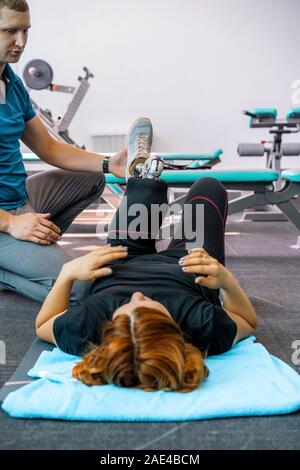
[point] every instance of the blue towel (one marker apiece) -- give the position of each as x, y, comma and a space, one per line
244, 381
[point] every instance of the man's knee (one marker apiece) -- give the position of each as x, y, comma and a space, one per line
98, 184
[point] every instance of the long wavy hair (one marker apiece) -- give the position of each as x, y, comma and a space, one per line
145, 350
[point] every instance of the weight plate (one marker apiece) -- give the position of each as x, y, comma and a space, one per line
38, 74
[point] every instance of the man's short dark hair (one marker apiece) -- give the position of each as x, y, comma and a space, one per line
17, 5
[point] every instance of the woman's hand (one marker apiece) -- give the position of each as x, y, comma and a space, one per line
89, 267
198, 261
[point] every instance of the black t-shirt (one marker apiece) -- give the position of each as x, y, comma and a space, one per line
197, 310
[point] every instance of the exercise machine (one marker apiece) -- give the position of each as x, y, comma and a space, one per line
273, 150
38, 75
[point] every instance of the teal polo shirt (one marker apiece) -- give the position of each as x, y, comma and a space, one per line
13, 116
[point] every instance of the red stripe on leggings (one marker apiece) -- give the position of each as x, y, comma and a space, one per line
212, 202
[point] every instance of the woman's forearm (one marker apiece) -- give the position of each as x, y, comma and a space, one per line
236, 301
57, 300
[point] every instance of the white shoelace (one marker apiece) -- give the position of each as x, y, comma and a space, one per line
142, 144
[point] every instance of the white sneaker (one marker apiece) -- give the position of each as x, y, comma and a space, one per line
153, 167
139, 141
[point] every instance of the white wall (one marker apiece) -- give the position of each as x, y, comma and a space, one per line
190, 65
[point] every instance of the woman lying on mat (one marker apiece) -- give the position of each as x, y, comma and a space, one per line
151, 318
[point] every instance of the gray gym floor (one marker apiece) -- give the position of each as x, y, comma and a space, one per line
260, 257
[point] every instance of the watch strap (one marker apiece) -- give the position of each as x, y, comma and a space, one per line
105, 163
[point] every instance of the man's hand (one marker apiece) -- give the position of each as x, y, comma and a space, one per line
117, 164
89, 267
34, 228
198, 261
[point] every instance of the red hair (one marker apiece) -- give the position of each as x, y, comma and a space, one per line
146, 350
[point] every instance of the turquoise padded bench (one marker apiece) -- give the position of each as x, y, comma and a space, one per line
201, 157
197, 160
182, 177
191, 156
292, 174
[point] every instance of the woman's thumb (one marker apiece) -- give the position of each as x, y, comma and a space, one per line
202, 280
103, 272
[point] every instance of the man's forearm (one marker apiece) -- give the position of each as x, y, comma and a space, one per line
5, 220
71, 158
57, 300
236, 301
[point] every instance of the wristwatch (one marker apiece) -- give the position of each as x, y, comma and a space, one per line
105, 163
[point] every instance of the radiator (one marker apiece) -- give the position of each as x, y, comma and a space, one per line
108, 143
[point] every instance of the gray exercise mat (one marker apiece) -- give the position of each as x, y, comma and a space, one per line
20, 377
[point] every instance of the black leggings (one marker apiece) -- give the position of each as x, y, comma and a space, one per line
207, 191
